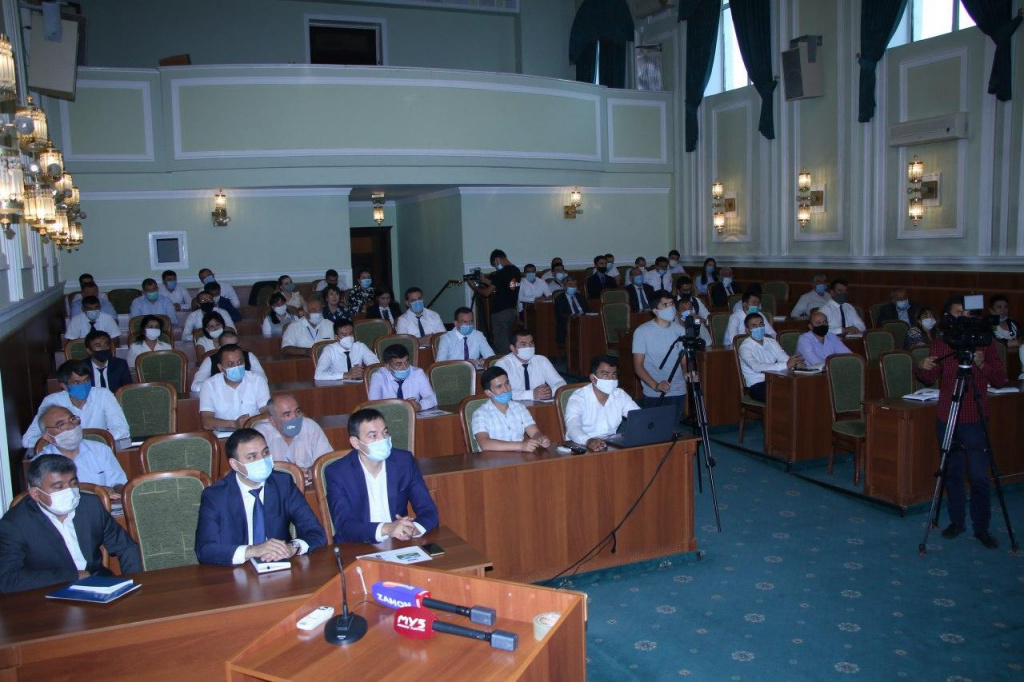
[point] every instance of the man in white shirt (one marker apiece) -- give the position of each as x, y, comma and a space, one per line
501, 423
90, 288
660, 278
299, 337
205, 371
418, 320
291, 436
684, 308
94, 461
557, 280
96, 407
684, 289
531, 376
595, 412
403, 381
233, 395
152, 302
556, 263
206, 276
817, 297
532, 287
750, 304
761, 353
842, 316
674, 266
330, 280
653, 341
465, 341
91, 317
194, 321
178, 295
348, 358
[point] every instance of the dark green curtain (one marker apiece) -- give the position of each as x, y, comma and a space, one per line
878, 22
995, 19
701, 17
752, 19
611, 23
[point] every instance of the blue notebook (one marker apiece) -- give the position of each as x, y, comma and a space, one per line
75, 591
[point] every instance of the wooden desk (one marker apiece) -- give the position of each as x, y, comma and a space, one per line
717, 367
798, 416
183, 624
536, 514
584, 339
540, 320
281, 369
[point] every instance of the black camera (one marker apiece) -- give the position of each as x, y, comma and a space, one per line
691, 336
969, 333
472, 276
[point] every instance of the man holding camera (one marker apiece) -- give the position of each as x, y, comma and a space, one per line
501, 286
969, 438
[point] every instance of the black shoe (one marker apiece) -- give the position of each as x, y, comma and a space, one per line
952, 530
986, 539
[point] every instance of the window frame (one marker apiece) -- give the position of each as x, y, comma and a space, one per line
378, 24
908, 31
723, 66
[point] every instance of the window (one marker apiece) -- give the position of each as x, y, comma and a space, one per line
168, 250
728, 72
925, 19
346, 42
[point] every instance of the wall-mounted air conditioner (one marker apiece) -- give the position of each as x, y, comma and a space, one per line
926, 130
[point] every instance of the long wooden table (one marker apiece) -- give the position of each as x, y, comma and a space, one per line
184, 623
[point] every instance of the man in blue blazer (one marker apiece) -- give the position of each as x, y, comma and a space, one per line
245, 515
370, 489
108, 370
54, 535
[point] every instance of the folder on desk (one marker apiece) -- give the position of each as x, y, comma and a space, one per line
923, 395
992, 390
96, 589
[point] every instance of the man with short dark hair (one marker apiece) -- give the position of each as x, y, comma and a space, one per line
653, 341
899, 307
347, 359
151, 302
246, 514
96, 407
222, 301
532, 288
600, 279
760, 354
501, 423
403, 381
88, 287
418, 320
194, 321
531, 376
640, 292
208, 367
502, 288
674, 266
659, 277
684, 289
176, 294
95, 462
330, 280
108, 370
464, 341
230, 397
595, 412
206, 276
90, 317
842, 316
571, 304
750, 303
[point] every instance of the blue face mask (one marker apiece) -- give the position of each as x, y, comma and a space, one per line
531, 277
757, 333
235, 373
819, 289
365, 283
503, 398
417, 307
570, 291
753, 309
685, 314
152, 296
79, 391
292, 427
903, 305
559, 276
710, 269
260, 470
289, 287
171, 284
402, 374
466, 329
209, 280
498, 266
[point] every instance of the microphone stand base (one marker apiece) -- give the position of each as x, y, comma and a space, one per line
340, 631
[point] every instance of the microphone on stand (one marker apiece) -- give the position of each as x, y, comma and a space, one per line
348, 627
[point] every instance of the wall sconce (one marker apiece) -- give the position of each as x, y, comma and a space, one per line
30, 122
40, 208
51, 162
378, 207
12, 187
803, 197
915, 206
717, 207
220, 209
575, 204
8, 81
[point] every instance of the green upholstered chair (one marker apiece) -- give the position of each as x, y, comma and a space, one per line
410, 342
614, 319
778, 289
435, 342
99, 436
919, 354
562, 396
732, 301
845, 375
719, 323
493, 360
614, 296
876, 311
1001, 352
623, 271
122, 299
768, 305
264, 292
172, 451
788, 341
898, 329
452, 380
135, 322
149, 408
749, 407
320, 488
369, 372
162, 510
860, 311
466, 409
876, 342
74, 349
368, 331
164, 365
400, 416
897, 373
318, 350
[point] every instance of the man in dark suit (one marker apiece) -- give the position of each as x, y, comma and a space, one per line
601, 279
385, 308
54, 535
900, 308
108, 371
245, 515
724, 288
369, 491
640, 292
572, 303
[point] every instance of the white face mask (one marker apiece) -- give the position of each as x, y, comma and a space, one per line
215, 333
347, 342
526, 354
63, 501
378, 450
928, 323
280, 310
607, 386
70, 439
315, 318
667, 314
152, 334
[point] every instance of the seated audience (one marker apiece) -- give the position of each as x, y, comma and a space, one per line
293, 299
685, 310
96, 407
684, 289
147, 339
177, 295
291, 436
402, 381
501, 423
206, 276
246, 515
360, 296
532, 288
151, 302
299, 337
640, 292
557, 280
194, 321
90, 318
641, 263
754, 287
531, 376
108, 371
595, 412
817, 344
83, 527
725, 287
921, 332
652, 342
90, 288
277, 316
208, 365
330, 280
761, 353
385, 308
572, 304
213, 326
334, 307
610, 267
660, 278
230, 397
899, 308
550, 274
370, 490
346, 359
842, 316
94, 461
222, 302
813, 299
418, 320
600, 279
674, 266
708, 276
750, 303
1007, 330
464, 341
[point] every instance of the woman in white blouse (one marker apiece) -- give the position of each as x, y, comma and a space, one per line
277, 316
213, 327
286, 287
147, 340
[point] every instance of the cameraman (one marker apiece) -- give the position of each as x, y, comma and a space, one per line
502, 288
969, 436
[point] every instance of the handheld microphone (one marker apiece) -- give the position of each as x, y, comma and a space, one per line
347, 627
418, 623
397, 595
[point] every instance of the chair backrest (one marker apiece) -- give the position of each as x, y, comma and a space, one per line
368, 331
263, 294
562, 396
435, 342
788, 341
74, 349
493, 360
320, 488
615, 319
876, 311
778, 289
1001, 352
122, 299
719, 323
768, 305
164, 365
845, 375
732, 301
466, 409
100, 436
369, 372
859, 311
410, 343
876, 342
897, 373
898, 329
919, 354
400, 417
150, 408
452, 381
614, 296
294, 471
318, 349
172, 451
133, 325
736, 341
162, 510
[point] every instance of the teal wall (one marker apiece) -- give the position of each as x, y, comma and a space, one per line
430, 233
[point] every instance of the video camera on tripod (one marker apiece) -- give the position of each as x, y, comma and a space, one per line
969, 333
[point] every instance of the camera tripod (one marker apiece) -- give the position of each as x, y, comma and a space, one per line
964, 378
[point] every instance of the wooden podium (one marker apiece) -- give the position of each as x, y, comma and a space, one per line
286, 653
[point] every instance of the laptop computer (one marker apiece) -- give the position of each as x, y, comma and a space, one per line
646, 426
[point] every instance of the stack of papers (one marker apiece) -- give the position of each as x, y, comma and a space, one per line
405, 555
96, 588
992, 390
923, 395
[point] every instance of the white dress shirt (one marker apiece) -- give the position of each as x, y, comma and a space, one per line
676, 269
586, 417
377, 496
181, 297
101, 411
293, 299
384, 386
452, 346
161, 306
333, 364
248, 503
95, 463
268, 328
510, 426
541, 372
301, 334
228, 292
79, 326
305, 448
737, 327
432, 323
105, 305
531, 291
249, 397
835, 317
808, 302
67, 531
140, 347
205, 370
195, 321
758, 358
659, 281
99, 374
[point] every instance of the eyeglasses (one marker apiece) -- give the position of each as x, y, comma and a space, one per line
64, 425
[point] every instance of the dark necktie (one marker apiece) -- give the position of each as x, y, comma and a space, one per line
103, 377
643, 298
348, 360
574, 305
419, 322
92, 325
399, 394
259, 524
526, 376
465, 348
842, 316
385, 314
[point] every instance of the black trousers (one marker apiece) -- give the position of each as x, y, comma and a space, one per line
968, 447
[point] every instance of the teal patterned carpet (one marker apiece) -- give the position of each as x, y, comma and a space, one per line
805, 583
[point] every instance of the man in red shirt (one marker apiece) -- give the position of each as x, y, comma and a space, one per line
969, 436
